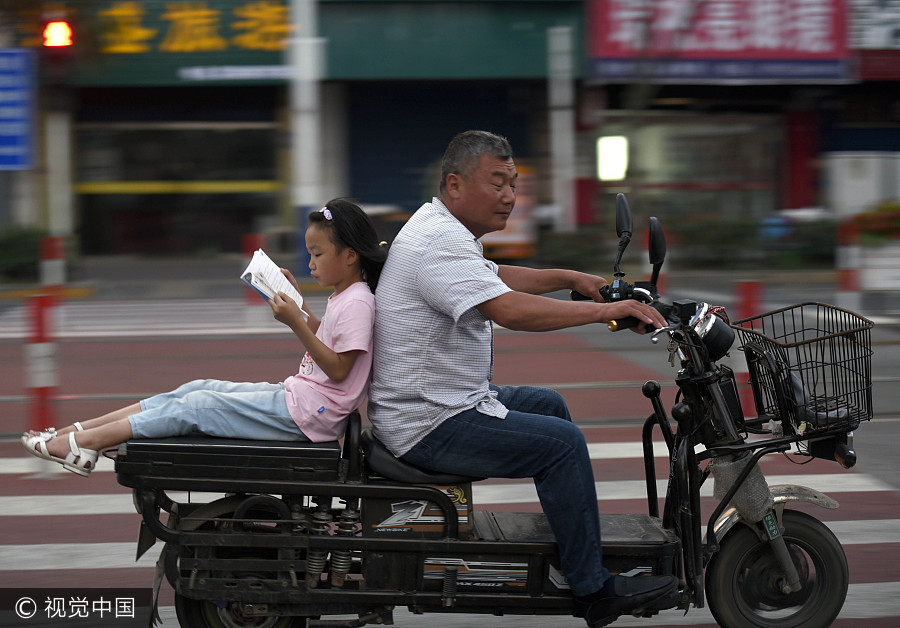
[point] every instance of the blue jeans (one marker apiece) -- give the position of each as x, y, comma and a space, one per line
537, 439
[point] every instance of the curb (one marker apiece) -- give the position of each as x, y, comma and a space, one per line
87, 291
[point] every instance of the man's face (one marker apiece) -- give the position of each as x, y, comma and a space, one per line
484, 201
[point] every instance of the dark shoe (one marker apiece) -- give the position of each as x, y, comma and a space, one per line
629, 595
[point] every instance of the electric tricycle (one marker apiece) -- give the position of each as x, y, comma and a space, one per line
341, 533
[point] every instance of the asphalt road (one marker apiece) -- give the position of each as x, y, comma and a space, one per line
112, 351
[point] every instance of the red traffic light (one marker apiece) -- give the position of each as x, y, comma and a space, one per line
57, 34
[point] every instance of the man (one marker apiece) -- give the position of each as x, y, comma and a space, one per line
431, 402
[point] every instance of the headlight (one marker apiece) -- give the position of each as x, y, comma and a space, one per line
717, 335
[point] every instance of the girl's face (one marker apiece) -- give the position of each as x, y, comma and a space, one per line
328, 265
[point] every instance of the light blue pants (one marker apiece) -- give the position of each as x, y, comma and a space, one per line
214, 407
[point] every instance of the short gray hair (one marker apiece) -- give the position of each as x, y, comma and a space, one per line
465, 150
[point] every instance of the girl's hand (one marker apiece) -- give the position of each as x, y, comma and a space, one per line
310, 318
285, 310
290, 277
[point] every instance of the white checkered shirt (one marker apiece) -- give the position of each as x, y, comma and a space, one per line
434, 351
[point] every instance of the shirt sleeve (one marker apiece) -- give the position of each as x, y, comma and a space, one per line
352, 326
454, 276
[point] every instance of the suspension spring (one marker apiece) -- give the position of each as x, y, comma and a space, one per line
315, 559
448, 592
342, 559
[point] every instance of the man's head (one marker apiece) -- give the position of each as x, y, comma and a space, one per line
478, 181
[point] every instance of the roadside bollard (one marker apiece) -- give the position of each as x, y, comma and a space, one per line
53, 274
53, 265
749, 298
848, 257
41, 373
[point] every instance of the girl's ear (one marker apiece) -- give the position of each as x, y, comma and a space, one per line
352, 255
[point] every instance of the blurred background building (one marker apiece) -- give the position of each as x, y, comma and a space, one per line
166, 127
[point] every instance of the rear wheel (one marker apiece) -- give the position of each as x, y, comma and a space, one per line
204, 614
221, 614
743, 579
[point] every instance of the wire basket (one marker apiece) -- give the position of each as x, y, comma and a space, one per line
810, 366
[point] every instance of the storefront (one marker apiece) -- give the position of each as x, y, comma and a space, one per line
180, 111
714, 107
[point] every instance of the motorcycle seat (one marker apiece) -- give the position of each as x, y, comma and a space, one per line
382, 462
226, 459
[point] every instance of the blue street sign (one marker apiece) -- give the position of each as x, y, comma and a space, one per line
17, 106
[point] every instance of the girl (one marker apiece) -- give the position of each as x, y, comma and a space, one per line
312, 405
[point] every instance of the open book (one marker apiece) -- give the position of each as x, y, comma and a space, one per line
264, 276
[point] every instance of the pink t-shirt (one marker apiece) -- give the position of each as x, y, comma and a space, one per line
318, 404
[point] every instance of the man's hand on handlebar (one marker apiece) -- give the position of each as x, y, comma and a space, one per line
588, 287
647, 317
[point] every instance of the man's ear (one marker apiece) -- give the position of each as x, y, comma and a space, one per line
454, 181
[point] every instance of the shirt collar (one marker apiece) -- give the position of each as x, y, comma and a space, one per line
443, 209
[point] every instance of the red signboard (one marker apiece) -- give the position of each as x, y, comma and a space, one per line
719, 39
879, 65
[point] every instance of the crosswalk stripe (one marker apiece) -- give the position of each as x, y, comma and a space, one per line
597, 451
62, 556
121, 555
32, 464
103, 319
483, 494
864, 601
70, 505
518, 493
870, 531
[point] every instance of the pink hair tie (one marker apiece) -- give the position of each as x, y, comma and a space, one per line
327, 213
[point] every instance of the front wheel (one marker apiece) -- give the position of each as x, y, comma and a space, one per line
743, 578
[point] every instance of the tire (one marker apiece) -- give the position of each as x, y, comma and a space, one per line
204, 614
741, 579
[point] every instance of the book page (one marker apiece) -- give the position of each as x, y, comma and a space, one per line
264, 276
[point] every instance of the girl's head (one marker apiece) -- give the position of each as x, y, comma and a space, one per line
353, 235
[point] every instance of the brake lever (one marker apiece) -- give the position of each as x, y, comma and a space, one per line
654, 337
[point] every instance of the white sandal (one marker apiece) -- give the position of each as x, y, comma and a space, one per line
49, 433
78, 460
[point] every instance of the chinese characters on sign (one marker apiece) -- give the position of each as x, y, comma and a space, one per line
124, 33
16, 108
194, 27
719, 39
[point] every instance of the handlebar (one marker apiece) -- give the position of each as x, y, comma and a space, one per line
626, 323
577, 296
619, 290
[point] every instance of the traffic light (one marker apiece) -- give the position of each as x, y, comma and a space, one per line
58, 44
58, 34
